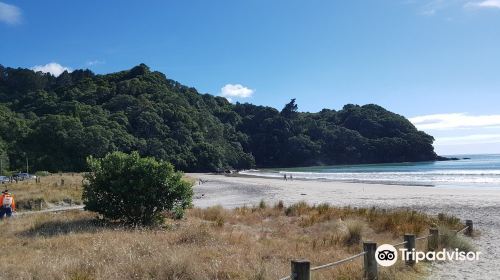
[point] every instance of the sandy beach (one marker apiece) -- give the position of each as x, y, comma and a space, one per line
482, 205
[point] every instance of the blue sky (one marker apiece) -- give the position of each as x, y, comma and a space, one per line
434, 61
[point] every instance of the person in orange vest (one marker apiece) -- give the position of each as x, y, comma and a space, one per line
7, 204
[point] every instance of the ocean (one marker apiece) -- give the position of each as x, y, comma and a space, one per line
469, 171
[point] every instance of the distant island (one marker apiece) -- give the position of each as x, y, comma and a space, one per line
56, 122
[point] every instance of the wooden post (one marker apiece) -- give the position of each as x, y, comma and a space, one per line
301, 270
470, 227
370, 264
433, 239
410, 245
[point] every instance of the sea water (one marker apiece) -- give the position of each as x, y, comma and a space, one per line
470, 170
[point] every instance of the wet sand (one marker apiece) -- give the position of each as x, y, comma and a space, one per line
482, 205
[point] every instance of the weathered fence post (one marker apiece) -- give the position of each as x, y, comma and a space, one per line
301, 270
433, 239
470, 227
409, 245
370, 264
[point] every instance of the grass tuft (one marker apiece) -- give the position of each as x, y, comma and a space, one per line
354, 232
451, 240
280, 205
262, 204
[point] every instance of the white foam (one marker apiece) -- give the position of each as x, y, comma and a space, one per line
490, 177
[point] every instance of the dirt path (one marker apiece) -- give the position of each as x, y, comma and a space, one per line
53, 209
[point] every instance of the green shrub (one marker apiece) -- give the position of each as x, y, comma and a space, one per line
451, 240
262, 204
177, 213
134, 190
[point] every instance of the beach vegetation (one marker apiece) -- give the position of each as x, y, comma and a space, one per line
262, 204
280, 205
250, 243
354, 232
133, 189
449, 219
450, 239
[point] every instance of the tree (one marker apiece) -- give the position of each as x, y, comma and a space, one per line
4, 159
133, 189
290, 110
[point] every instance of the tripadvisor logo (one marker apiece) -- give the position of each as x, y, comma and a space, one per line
387, 255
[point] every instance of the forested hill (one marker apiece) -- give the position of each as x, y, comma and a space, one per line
58, 122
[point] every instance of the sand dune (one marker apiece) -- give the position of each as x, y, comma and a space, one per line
482, 205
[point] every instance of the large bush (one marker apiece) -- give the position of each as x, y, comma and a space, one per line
135, 190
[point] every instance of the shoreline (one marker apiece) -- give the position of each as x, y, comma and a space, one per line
409, 184
485, 186
299, 175
482, 205
247, 189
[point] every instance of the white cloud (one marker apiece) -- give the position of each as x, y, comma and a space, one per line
53, 68
236, 90
469, 139
462, 133
468, 144
487, 4
9, 14
432, 7
94, 62
455, 121
428, 12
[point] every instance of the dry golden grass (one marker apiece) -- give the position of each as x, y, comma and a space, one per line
50, 190
214, 243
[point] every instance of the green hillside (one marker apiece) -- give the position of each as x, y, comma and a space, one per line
58, 122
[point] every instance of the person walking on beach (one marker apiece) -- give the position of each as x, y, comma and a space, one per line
7, 204
284, 176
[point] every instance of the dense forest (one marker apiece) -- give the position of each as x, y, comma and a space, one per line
56, 122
